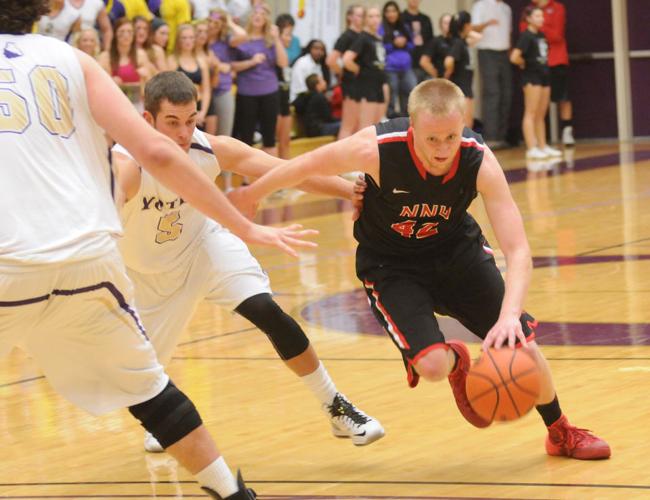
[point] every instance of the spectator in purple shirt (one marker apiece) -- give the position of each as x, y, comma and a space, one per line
399, 64
254, 61
221, 30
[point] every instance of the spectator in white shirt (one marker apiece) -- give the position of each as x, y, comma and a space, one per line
493, 19
312, 62
62, 21
93, 14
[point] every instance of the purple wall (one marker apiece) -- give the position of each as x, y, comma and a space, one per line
591, 82
638, 21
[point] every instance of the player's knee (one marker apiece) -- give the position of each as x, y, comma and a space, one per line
170, 416
433, 366
288, 339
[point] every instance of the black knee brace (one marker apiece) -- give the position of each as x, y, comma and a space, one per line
170, 416
285, 334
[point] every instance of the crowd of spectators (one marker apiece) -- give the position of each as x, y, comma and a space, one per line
258, 82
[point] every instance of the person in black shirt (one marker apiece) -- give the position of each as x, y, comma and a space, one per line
531, 54
433, 57
422, 32
421, 252
458, 66
315, 109
350, 109
366, 58
285, 24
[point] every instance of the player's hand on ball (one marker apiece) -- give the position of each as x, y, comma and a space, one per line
358, 191
506, 330
285, 238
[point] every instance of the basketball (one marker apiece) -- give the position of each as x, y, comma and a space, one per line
503, 384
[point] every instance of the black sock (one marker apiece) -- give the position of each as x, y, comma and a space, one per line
566, 123
550, 412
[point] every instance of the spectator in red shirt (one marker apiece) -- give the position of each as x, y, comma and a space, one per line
558, 62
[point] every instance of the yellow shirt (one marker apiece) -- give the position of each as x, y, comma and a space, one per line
175, 13
137, 8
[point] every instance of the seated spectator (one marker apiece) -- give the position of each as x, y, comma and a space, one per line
128, 65
146, 34
159, 34
315, 109
312, 61
87, 41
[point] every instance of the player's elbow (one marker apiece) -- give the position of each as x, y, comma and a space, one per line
158, 152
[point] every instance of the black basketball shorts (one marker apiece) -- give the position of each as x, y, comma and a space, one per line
541, 78
466, 285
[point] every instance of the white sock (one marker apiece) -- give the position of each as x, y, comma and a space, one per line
217, 477
320, 384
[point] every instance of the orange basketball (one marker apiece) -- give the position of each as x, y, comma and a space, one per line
503, 384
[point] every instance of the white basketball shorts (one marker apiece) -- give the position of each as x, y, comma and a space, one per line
78, 323
220, 270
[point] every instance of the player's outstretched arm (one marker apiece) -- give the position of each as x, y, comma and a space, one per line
508, 226
170, 164
242, 159
357, 152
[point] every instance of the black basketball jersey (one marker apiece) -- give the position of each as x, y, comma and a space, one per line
414, 212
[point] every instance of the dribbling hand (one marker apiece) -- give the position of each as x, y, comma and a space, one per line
506, 329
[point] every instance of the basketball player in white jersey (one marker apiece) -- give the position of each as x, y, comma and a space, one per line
64, 294
177, 257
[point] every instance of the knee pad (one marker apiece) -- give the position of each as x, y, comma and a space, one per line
285, 334
170, 416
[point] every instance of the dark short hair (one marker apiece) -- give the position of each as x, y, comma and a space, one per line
172, 86
18, 16
284, 20
312, 81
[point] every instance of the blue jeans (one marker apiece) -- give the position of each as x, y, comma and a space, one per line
401, 83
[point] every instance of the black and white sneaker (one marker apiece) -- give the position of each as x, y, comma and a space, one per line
350, 422
242, 494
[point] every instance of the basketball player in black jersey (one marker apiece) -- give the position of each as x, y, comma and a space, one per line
421, 252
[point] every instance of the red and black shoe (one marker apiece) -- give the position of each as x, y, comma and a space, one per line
457, 379
566, 440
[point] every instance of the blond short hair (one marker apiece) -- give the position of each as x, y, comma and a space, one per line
438, 96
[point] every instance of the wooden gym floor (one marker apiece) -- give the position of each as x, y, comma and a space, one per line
588, 222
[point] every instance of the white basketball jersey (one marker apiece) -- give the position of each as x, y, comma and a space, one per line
55, 178
160, 228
